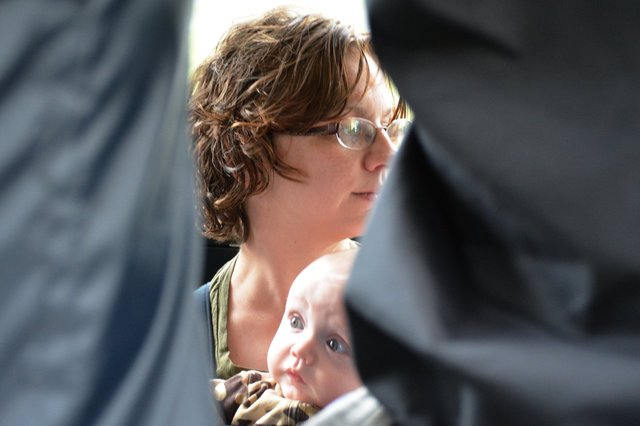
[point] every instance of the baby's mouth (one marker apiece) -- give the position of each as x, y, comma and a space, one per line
295, 376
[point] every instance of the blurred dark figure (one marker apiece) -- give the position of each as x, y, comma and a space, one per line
97, 240
499, 281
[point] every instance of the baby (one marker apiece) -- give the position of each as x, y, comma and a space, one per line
310, 357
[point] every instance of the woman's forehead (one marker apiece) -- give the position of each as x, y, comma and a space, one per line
375, 94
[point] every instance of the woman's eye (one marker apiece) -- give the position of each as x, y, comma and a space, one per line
336, 345
296, 322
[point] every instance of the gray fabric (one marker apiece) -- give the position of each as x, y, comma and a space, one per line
356, 408
498, 279
98, 249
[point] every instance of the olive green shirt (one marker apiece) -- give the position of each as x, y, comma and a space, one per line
219, 296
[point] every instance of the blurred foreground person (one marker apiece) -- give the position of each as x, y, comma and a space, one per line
97, 243
500, 274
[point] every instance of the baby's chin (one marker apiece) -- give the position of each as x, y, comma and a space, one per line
334, 394
293, 392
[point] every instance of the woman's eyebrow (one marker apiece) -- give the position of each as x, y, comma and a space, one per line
359, 112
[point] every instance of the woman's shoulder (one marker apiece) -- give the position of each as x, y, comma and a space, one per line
222, 277
219, 297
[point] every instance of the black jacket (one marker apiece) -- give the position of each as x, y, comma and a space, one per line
499, 280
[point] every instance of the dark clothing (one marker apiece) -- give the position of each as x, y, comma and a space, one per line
500, 273
97, 237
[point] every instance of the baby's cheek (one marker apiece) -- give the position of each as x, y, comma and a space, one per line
276, 357
272, 360
350, 379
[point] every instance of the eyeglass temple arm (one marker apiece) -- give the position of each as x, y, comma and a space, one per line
327, 129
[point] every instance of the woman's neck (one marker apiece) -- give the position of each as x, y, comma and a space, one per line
268, 266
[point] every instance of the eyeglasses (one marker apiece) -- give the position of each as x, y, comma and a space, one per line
359, 133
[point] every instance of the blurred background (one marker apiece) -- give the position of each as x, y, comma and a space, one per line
211, 18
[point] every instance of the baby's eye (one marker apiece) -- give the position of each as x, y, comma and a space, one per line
337, 346
296, 322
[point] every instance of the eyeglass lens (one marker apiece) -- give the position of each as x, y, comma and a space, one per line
358, 133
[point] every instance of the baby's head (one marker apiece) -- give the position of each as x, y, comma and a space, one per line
311, 355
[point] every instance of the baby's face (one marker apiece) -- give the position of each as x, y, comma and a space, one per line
310, 355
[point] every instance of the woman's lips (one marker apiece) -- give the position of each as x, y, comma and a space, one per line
369, 196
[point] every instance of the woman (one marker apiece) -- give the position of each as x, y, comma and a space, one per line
294, 123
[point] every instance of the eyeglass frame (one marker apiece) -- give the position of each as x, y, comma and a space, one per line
333, 129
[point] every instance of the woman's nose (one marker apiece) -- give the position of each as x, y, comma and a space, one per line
380, 152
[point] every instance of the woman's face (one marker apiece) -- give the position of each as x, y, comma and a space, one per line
340, 185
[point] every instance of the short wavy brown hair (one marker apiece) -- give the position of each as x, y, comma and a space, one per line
280, 72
